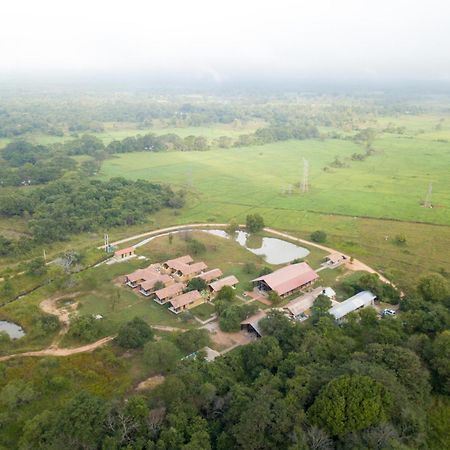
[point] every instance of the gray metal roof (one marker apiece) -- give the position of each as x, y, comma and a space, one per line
360, 300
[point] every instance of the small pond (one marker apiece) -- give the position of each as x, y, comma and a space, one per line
12, 330
273, 250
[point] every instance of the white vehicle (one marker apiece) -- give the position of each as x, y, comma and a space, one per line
388, 312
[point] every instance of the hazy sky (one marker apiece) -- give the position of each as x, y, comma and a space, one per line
219, 38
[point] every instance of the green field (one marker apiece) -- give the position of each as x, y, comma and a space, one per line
390, 184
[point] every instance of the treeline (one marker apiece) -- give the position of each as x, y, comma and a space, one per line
366, 384
22, 163
77, 205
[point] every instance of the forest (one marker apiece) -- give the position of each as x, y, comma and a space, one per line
367, 384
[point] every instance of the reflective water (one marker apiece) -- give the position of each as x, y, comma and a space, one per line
14, 331
273, 250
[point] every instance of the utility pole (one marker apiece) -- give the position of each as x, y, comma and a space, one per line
304, 186
427, 203
106, 238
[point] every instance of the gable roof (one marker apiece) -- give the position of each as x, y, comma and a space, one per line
124, 251
364, 298
304, 302
254, 321
185, 299
148, 284
169, 291
188, 269
211, 275
142, 274
289, 277
179, 262
227, 281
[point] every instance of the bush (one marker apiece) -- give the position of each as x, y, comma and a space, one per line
160, 356
85, 328
192, 340
319, 236
196, 284
254, 223
196, 247
134, 334
226, 293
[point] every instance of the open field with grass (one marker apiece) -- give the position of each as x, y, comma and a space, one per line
390, 184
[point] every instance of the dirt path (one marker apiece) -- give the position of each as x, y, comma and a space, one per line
355, 265
51, 351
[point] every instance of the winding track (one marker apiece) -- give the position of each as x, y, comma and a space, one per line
49, 306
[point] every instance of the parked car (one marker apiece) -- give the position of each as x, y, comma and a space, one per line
388, 312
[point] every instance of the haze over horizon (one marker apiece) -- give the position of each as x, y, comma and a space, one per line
201, 39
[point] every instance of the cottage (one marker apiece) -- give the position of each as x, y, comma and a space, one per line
216, 286
186, 272
124, 253
172, 265
358, 301
140, 275
185, 301
147, 287
300, 305
251, 324
162, 296
287, 280
211, 275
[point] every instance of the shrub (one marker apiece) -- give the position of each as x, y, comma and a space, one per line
134, 334
254, 223
319, 236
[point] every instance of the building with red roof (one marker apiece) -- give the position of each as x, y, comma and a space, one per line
287, 280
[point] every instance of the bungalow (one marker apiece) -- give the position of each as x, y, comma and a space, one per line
216, 286
172, 265
188, 271
124, 253
251, 324
162, 296
334, 259
185, 301
287, 280
211, 275
358, 301
297, 307
140, 275
147, 287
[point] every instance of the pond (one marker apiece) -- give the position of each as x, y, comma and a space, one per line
12, 330
273, 250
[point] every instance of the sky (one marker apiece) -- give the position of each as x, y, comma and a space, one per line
374, 39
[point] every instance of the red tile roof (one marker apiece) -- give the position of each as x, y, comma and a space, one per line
288, 278
169, 291
227, 281
124, 251
211, 275
189, 269
179, 262
142, 274
148, 284
185, 299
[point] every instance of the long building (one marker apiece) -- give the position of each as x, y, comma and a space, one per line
358, 301
287, 280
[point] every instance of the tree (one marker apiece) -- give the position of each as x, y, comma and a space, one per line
350, 403
434, 287
37, 267
134, 334
320, 307
192, 340
160, 356
232, 227
85, 328
196, 247
440, 361
254, 223
274, 297
226, 293
196, 284
319, 236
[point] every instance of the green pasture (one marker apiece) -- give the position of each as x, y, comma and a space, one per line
390, 184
